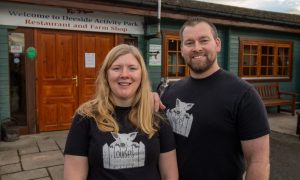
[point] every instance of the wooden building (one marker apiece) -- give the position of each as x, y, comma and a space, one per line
71, 39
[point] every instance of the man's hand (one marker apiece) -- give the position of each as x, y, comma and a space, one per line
157, 102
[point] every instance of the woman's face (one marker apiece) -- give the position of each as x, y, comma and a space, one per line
124, 78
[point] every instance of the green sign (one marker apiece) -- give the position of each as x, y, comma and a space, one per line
31, 53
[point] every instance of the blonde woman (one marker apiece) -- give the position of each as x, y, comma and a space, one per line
117, 135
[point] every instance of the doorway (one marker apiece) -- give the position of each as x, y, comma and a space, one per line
17, 80
67, 66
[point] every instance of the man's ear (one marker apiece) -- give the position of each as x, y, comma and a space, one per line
218, 44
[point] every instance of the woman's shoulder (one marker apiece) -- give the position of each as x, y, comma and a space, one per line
81, 118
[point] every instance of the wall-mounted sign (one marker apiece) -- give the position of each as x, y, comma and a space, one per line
61, 18
16, 49
16, 42
90, 61
154, 55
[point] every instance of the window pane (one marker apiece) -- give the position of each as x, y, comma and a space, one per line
253, 71
246, 60
245, 71
286, 51
254, 49
270, 60
172, 58
280, 52
172, 45
263, 71
279, 71
254, 61
271, 50
280, 61
286, 61
180, 60
172, 71
181, 71
247, 49
270, 71
264, 50
285, 71
264, 61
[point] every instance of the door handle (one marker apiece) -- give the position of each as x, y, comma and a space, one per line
76, 80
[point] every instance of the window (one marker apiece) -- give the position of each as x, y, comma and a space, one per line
173, 63
265, 59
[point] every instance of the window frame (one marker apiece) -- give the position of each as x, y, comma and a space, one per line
259, 43
168, 35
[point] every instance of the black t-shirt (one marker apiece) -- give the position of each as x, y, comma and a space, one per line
210, 117
128, 155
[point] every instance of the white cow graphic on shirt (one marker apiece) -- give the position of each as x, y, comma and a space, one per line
180, 120
123, 152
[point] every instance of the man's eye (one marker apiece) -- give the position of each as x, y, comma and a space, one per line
204, 41
188, 43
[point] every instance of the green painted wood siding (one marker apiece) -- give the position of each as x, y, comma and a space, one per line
155, 71
4, 74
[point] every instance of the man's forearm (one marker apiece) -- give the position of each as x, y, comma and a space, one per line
258, 171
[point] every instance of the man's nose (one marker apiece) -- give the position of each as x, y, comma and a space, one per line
197, 46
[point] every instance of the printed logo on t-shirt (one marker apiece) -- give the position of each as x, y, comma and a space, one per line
123, 152
180, 120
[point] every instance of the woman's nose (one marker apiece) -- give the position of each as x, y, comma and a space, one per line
124, 72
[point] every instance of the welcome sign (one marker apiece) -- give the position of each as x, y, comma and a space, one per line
61, 18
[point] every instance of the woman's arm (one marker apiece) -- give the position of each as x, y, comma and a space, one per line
168, 165
75, 167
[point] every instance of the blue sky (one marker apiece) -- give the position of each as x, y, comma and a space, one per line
284, 6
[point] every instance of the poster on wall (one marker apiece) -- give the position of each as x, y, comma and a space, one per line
154, 55
90, 60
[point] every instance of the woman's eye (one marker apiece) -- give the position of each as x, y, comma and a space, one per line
115, 68
132, 68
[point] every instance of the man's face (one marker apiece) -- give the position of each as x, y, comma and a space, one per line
199, 48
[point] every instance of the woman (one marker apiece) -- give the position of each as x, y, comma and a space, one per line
117, 135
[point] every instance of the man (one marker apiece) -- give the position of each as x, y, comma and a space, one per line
218, 119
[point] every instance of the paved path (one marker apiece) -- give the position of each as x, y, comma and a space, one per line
40, 156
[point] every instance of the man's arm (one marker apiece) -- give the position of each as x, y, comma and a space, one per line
257, 155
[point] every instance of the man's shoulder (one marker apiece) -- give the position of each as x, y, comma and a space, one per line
234, 79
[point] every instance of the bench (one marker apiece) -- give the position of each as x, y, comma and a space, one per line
272, 96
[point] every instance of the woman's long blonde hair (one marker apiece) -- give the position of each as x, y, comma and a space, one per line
101, 107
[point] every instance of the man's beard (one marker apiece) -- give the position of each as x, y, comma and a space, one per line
202, 67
